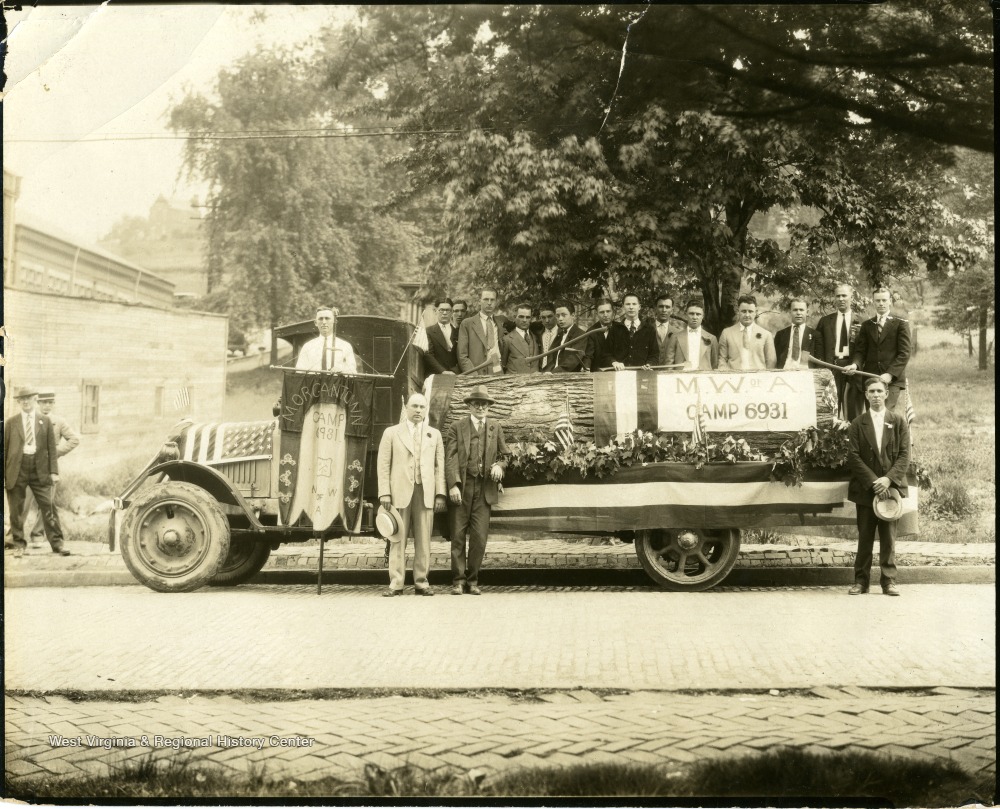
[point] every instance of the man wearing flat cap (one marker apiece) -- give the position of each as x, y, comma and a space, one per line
30, 461
475, 461
878, 458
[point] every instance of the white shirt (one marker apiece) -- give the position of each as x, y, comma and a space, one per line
477, 425
744, 350
523, 333
28, 419
340, 356
693, 349
630, 324
843, 317
446, 331
878, 421
789, 362
662, 330
415, 437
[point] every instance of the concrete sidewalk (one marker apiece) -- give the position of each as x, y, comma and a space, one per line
795, 560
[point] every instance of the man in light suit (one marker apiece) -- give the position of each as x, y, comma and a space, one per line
442, 342
30, 461
411, 479
883, 347
878, 458
479, 337
695, 347
570, 359
834, 344
795, 344
519, 344
745, 346
475, 461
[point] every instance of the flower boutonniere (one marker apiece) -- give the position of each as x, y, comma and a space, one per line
888, 426
706, 341
758, 335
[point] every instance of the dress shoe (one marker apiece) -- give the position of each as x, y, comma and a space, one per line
390, 593
423, 591
18, 552
857, 590
62, 552
9, 546
473, 590
890, 589
457, 590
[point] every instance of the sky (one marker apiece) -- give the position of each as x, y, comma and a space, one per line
108, 72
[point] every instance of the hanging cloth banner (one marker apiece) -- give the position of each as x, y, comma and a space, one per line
326, 424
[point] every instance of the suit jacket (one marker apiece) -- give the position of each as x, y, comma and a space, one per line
46, 462
396, 476
643, 348
439, 357
865, 462
513, 351
603, 349
472, 348
661, 357
887, 354
457, 439
825, 338
676, 350
783, 344
571, 359
761, 348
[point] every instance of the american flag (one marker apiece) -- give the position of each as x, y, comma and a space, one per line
182, 399
911, 414
564, 427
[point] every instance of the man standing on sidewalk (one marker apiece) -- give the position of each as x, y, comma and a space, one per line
30, 461
878, 459
475, 461
67, 440
411, 480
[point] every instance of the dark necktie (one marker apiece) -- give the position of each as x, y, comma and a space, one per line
631, 327
844, 342
325, 366
29, 434
878, 328
795, 343
491, 338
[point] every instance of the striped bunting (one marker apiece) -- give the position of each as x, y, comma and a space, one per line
228, 441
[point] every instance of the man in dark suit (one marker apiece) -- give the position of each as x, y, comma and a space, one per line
475, 461
664, 326
642, 346
834, 344
606, 349
878, 458
518, 344
442, 344
883, 347
30, 461
479, 337
569, 359
796, 343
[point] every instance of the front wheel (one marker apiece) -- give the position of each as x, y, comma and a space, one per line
245, 560
174, 537
688, 558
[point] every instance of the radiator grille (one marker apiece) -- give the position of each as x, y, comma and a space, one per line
250, 478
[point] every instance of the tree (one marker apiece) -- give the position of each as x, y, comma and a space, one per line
292, 217
605, 148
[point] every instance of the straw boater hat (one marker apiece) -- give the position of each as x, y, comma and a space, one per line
389, 524
25, 391
479, 394
46, 395
890, 508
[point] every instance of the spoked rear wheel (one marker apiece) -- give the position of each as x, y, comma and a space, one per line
688, 558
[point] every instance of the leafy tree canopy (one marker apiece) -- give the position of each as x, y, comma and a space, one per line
610, 147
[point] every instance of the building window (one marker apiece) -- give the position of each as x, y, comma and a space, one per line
91, 407
158, 401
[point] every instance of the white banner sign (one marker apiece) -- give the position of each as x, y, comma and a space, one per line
782, 401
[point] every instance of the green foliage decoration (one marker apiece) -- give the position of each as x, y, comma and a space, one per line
812, 448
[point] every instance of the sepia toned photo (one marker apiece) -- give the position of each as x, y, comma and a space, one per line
482, 403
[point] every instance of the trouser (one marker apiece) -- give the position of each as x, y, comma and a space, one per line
472, 516
850, 400
32, 516
417, 519
868, 524
28, 477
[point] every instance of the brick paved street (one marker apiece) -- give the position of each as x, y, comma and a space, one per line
496, 732
577, 674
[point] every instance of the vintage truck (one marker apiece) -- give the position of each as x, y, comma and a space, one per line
218, 497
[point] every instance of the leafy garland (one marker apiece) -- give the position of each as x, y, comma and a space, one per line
540, 456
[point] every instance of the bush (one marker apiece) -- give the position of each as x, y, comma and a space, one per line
951, 500
109, 484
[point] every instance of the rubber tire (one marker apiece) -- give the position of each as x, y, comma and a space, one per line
720, 567
245, 560
207, 525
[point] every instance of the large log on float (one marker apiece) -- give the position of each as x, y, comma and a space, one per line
531, 403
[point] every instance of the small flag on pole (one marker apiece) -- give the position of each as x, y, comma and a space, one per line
420, 339
699, 435
911, 414
182, 399
564, 426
